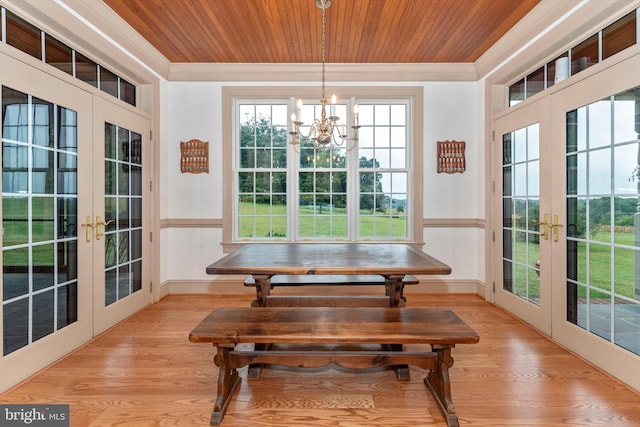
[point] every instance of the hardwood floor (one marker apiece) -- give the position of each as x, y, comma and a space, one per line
145, 372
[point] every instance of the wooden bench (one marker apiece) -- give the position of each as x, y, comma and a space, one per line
441, 328
394, 294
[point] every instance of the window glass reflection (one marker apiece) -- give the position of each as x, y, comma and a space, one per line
58, 54
15, 325
67, 129
109, 82
23, 35
67, 173
15, 273
42, 123
86, 70
619, 35
43, 170
67, 304
42, 313
15, 115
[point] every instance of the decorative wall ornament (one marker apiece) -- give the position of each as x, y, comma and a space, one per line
194, 156
451, 156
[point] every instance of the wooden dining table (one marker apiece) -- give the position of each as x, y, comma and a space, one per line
390, 260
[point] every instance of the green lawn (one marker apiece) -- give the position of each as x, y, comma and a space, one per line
600, 260
324, 221
332, 222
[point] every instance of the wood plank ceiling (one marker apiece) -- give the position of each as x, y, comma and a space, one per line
290, 31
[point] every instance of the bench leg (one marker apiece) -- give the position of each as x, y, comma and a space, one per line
440, 385
228, 380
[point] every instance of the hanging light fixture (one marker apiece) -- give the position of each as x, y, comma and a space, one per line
324, 130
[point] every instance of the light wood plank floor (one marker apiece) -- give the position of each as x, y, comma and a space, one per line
145, 372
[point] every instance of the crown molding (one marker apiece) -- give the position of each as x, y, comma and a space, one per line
237, 72
57, 17
535, 22
588, 19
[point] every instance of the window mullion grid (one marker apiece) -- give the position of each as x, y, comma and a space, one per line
612, 216
55, 215
293, 182
353, 194
30, 124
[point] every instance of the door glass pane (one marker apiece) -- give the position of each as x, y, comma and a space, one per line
39, 218
123, 212
603, 219
521, 209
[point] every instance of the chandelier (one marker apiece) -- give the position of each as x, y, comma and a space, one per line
324, 130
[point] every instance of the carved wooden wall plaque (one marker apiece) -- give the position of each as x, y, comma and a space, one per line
451, 157
194, 156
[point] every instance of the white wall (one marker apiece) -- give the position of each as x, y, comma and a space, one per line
194, 112
452, 111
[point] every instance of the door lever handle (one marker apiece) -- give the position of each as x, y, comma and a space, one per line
544, 224
88, 225
555, 226
99, 223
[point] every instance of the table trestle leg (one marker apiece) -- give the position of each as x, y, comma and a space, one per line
438, 382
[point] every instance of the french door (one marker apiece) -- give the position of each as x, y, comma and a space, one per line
567, 252
74, 256
120, 214
596, 261
521, 201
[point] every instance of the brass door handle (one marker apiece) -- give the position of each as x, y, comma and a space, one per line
544, 225
88, 226
555, 227
99, 223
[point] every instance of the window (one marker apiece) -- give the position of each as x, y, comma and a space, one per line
24, 36
358, 191
613, 39
262, 173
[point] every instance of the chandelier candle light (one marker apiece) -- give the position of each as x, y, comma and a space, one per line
323, 130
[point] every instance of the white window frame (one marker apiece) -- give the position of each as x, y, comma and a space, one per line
411, 96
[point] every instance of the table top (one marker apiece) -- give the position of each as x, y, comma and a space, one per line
333, 324
328, 258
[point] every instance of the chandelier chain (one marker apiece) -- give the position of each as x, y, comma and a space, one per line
324, 49
324, 130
